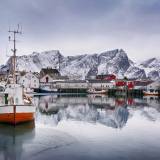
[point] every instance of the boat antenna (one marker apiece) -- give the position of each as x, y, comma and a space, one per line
59, 61
13, 59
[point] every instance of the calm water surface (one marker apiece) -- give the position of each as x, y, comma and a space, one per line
86, 128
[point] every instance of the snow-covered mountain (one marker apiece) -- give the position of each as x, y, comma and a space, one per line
151, 67
77, 67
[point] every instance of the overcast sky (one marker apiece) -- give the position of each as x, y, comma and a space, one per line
82, 26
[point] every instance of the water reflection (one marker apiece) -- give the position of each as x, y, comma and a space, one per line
86, 127
111, 112
12, 140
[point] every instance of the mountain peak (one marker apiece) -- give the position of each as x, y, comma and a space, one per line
77, 67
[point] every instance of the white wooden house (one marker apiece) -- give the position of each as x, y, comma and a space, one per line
142, 84
48, 75
100, 84
154, 86
46, 79
72, 84
29, 80
85, 84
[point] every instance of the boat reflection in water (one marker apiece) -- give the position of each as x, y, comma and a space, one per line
12, 139
86, 127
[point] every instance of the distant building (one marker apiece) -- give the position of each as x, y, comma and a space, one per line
154, 87
48, 75
122, 83
142, 84
72, 84
108, 77
100, 84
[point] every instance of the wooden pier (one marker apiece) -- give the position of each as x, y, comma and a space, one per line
132, 93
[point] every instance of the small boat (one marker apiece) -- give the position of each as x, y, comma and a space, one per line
50, 87
94, 91
28, 90
47, 89
154, 93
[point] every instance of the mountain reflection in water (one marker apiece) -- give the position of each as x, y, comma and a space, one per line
111, 112
93, 127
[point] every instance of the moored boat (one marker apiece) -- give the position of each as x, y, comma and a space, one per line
47, 89
154, 93
94, 91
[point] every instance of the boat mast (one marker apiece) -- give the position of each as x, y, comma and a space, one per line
13, 59
59, 61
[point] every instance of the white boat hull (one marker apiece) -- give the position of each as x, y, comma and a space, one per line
15, 114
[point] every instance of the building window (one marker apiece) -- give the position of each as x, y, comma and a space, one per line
34, 80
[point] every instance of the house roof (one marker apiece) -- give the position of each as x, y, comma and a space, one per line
106, 75
23, 74
128, 79
98, 81
73, 81
50, 71
156, 82
142, 83
36, 74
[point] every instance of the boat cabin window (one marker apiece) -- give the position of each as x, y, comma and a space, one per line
2, 89
16, 100
151, 90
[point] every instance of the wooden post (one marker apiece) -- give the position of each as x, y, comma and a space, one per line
14, 112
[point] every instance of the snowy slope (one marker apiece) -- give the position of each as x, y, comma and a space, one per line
151, 67
77, 67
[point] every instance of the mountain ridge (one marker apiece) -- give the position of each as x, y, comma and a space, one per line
79, 66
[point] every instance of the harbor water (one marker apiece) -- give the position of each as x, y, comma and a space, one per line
93, 127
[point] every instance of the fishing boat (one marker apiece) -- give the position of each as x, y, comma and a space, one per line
50, 87
47, 89
15, 107
153, 93
94, 91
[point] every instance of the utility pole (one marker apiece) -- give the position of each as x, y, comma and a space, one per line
13, 59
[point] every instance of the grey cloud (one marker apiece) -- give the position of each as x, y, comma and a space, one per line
97, 23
